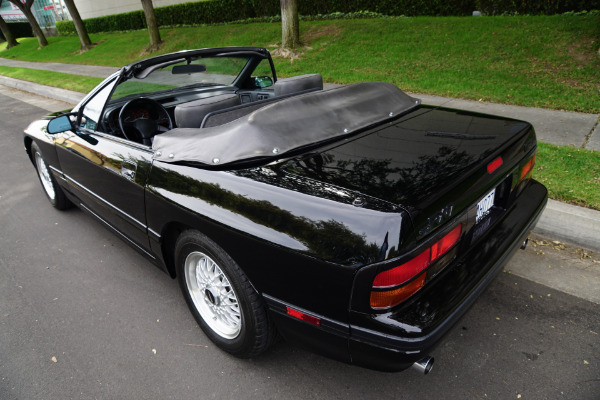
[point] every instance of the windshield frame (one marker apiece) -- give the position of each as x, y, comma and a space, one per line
254, 54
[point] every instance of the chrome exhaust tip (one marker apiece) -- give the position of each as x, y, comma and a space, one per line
524, 245
424, 366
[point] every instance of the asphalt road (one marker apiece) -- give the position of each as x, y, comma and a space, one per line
83, 316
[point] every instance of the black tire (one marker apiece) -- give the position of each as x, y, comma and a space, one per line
221, 298
53, 191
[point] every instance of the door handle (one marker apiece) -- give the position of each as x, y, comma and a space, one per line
127, 173
128, 170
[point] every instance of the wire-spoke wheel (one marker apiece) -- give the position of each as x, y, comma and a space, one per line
212, 294
53, 192
44, 175
226, 306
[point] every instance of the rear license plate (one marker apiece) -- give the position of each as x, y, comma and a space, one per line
484, 206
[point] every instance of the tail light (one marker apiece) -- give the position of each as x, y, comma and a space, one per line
393, 286
527, 169
494, 165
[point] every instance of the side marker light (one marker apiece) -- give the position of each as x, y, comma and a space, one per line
304, 317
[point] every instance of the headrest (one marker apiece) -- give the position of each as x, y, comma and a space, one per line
190, 115
298, 84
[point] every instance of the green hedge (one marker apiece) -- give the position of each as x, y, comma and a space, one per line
267, 8
220, 11
204, 12
430, 7
130, 21
535, 7
66, 28
386, 7
196, 13
18, 29
420, 7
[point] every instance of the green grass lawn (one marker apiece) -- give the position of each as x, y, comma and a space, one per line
76, 83
538, 61
571, 174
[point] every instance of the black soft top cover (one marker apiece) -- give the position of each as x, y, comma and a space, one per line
286, 125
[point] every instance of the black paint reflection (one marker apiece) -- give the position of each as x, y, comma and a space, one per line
329, 240
411, 161
280, 177
387, 179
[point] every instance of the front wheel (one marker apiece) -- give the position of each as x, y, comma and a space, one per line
226, 306
53, 192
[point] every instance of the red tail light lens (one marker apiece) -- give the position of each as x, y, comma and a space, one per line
406, 271
446, 243
401, 274
494, 165
527, 170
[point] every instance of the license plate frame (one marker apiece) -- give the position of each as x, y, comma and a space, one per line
484, 206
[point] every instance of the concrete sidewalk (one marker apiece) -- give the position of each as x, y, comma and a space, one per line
563, 222
75, 69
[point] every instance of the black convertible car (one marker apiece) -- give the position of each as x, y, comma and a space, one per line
354, 221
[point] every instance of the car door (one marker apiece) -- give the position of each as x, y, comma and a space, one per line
107, 173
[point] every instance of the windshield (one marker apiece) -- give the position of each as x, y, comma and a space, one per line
198, 72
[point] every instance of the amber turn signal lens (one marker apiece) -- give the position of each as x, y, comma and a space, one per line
528, 168
392, 297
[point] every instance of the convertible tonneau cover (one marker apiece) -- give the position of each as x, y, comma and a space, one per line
286, 125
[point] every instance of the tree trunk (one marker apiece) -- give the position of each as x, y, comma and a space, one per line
290, 27
152, 25
35, 27
10, 39
84, 38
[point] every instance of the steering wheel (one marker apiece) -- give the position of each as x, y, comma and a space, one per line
139, 120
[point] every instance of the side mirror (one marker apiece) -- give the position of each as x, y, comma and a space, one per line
263, 82
59, 124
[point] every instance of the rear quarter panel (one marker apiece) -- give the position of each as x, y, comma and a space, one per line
302, 248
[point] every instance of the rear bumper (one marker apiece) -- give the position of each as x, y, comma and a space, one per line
395, 340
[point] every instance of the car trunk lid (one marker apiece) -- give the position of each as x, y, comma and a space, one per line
432, 162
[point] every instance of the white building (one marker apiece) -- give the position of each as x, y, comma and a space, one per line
94, 8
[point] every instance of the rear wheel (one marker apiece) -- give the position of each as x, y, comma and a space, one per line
54, 193
226, 306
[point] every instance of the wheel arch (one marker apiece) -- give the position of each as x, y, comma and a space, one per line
170, 233
28, 141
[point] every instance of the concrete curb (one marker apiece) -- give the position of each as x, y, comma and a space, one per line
570, 224
594, 139
564, 222
67, 96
